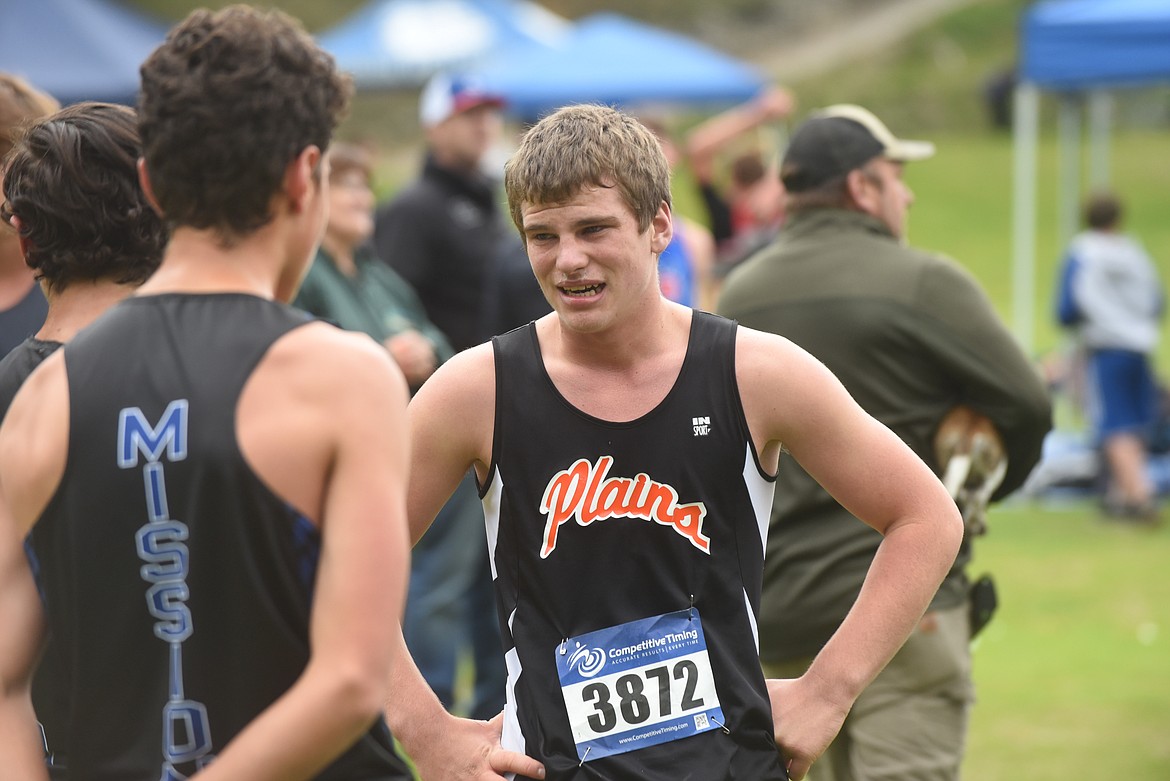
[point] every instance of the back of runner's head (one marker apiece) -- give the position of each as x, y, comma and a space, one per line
227, 102
72, 182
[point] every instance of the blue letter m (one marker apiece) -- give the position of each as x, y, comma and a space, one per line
136, 434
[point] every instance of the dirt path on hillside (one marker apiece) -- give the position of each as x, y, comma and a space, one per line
860, 36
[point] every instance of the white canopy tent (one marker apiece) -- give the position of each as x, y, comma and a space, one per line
1080, 50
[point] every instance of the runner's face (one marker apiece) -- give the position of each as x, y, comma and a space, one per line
595, 267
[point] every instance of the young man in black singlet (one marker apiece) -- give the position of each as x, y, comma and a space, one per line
211, 484
626, 449
86, 260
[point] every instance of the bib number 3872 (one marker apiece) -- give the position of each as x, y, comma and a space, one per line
638, 684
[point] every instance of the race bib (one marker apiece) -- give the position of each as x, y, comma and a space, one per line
638, 684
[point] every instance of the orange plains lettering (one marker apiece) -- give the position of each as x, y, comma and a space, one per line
584, 492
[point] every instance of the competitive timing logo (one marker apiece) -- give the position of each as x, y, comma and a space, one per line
585, 493
587, 661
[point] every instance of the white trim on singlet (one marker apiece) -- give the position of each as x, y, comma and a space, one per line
760, 491
747, 606
491, 516
512, 737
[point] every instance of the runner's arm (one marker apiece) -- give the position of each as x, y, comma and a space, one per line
451, 419
33, 440
360, 584
21, 753
451, 423
708, 139
790, 397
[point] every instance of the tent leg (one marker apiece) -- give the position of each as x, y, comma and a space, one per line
1025, 135
1100, 127
1068, 181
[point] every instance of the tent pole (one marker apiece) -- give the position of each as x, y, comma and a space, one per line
1068, 181
1025, 135
1100, 128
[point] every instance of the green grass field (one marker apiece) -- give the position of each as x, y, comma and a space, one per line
1073, 673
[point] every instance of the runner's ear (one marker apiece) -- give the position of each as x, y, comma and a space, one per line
303, 176
661, 229
147, 189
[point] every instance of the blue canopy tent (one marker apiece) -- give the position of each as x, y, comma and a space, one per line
401, 43
1079, 44
611, 59
1080, 50
77, 49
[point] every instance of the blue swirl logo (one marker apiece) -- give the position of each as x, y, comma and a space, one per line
587, 661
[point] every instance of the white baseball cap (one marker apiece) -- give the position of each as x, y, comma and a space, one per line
897, 149
446, 95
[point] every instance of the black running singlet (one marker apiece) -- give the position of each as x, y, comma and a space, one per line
627, 560
177, 584
49, 697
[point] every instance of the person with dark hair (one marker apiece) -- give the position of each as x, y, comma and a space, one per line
917, 343
86, 259
83, 224
22, 304
1111, 298
84, 227
998, 91
212, 485
626, 530
747, 210
57, 173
